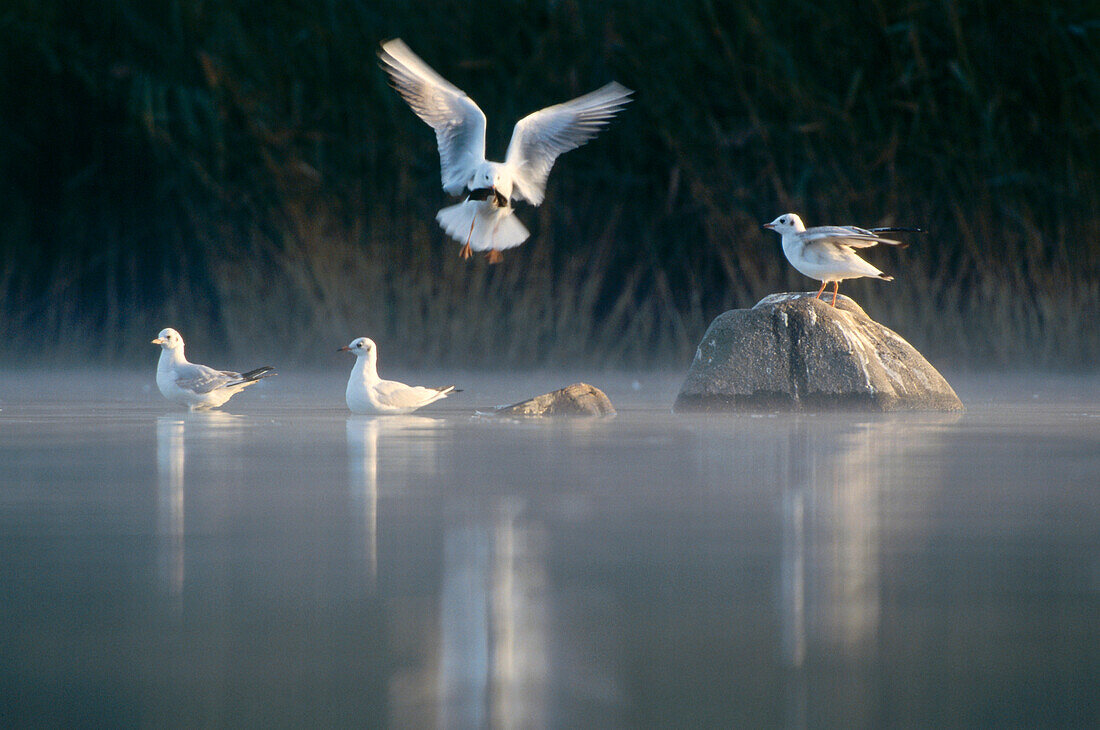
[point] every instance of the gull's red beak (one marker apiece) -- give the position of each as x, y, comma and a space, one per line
769, 226
345, 348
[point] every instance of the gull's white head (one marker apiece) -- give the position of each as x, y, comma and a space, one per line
169, 339
492, 175
786, 223
360, 347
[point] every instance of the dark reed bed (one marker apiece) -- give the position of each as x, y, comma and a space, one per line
242, 172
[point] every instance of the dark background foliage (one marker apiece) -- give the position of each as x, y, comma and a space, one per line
240, 170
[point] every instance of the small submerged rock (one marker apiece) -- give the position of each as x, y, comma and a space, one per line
578, 399
794, 352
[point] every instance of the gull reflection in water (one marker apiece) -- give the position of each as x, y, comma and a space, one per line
838, 481
172, 436
830, 540
829, 567
170, 502
407, 456
494, 623
520, 621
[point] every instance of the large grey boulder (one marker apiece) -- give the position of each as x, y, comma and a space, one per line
792, 352
578, 399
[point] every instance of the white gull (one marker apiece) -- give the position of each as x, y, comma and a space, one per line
197, 386
827, 253
485, 221
368, 393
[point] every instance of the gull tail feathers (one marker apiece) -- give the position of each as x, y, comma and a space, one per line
459, 220
483, 225
509, 233
891, 242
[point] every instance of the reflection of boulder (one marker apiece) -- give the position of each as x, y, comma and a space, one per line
578, 399
794, 352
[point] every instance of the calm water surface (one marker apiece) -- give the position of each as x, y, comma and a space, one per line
286, 563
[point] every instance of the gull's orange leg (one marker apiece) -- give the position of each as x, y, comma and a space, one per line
836, 288
820, 290
495, 256
466, 253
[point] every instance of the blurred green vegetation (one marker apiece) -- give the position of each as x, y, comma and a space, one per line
241, 171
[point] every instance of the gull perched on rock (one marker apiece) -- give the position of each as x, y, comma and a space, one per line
826, 253
485, 221
197, 386
368, 393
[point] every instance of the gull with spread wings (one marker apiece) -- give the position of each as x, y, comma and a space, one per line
485, 220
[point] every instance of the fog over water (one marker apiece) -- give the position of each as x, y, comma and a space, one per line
285, 562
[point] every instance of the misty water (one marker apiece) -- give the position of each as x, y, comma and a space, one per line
285, 562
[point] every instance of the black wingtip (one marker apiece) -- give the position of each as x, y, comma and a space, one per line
898, 229
265, 371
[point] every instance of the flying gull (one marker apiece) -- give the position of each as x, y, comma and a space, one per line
485, 220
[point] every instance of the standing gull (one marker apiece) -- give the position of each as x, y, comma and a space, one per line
197, 386
485, 221
368, 393
826, 253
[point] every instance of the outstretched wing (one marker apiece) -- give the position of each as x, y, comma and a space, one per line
458, 122
850, 236
539, 138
